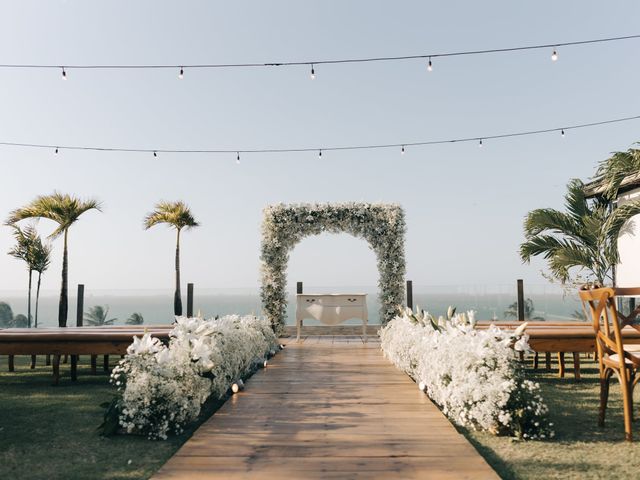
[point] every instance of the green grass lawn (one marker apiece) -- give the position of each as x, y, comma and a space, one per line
50, 432
580, 448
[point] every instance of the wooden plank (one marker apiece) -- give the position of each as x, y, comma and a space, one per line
328, 409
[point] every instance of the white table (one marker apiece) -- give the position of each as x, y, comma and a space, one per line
331, 309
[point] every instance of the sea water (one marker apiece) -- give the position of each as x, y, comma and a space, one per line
490, 302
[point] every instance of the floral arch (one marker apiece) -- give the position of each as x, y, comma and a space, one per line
381, 225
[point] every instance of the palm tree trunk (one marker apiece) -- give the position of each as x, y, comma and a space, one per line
29, 300
63, 306
177, 300
38, 296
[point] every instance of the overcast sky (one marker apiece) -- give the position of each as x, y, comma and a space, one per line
464, 205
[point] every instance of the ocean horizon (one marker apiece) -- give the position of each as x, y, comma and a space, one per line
156, 306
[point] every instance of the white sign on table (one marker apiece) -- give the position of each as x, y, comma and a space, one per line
332, 309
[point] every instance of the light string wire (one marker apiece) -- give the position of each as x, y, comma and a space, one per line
312, 63
402, 145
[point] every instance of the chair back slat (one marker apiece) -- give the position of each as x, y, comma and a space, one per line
607, 323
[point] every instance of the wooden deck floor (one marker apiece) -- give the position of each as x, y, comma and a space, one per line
328, 407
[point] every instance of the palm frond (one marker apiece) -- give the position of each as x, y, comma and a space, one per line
175, 214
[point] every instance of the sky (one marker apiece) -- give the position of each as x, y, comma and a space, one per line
464, 205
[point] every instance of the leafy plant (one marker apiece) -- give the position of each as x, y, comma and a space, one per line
65, 210
529, 310
179, 216
135, 319
97, 316
582, 240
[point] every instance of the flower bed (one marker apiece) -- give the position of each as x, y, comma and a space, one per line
472, 374
161, 388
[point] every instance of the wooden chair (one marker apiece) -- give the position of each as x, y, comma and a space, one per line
612, 356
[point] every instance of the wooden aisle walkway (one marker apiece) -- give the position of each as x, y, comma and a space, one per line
328, 407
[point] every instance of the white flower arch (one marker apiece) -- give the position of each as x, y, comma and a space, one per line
283, 226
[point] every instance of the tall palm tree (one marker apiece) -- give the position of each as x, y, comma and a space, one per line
24, 250
135, 319
584, 239
179, 216
41, 257
65, 210
613, 170
98, 316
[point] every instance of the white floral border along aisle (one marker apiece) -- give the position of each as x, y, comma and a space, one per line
382, 225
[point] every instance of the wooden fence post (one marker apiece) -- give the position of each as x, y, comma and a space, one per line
410, 294
80, 306
299, 287
520, 300
189, 300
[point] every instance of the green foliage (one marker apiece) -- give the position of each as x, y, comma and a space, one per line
63, 209
135, 319
6, 315
175, 214
97, 316
529, 310
582, 240
20, 321
612, 171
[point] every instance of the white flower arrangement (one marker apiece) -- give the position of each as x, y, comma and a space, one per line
381, 225
161, 388
472, 374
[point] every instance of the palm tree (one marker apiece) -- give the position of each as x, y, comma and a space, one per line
612, 171
135, 319
179, 216
23, 250
585, 237
98, 316
65, 210
41, 257
6, 315
529, 309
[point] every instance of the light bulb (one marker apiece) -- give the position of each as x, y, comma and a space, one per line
320, 153
402, 150
56, 150
422, 386
554, 55
235, 388
480, 144
155, 154
181, 74
562, 132
64, 74
313, 72
238, 158
430, 65
265, 363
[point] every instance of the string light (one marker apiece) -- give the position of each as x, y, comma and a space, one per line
56, 150
181, 74
238, 158
430, 65
313, 73
480, 144
432, 55
402, 151
554, 55
562, 133
476, 138
64, 74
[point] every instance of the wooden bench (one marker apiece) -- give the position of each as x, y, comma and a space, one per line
74, 341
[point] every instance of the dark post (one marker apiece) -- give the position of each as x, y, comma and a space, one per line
299, 287
80, 308
520, 300
410, 294
189, 300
